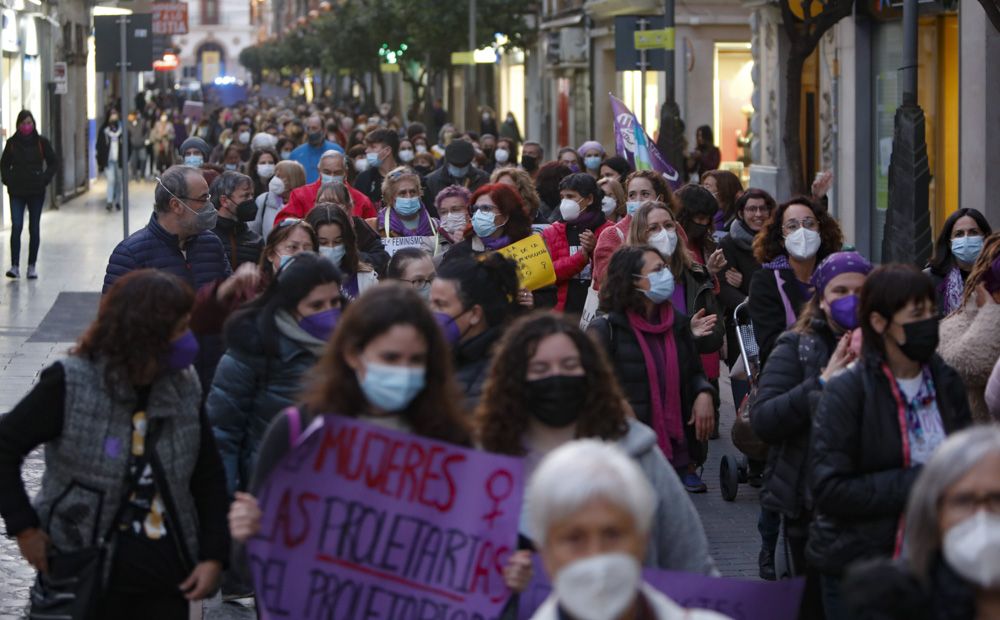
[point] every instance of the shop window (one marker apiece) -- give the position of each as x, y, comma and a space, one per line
209, 12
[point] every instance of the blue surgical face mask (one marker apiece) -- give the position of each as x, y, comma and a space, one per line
283, 260
335, 253
661, 286
407, 206
286, 155
392, 388
483, 224
329, 178
373, 160
593, 162
967, 249
194, 160
632, 206
458, 172
231, 167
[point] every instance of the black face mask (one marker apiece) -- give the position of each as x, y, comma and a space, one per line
423, 170
921, 339
529, 163
315, 138
556, 401
246, 211
696, 231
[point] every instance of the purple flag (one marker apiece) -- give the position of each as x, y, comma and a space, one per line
744, 599
362, 522
633, 143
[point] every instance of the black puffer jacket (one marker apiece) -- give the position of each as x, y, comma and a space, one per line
767, 311
736, 247
859, 484
616, 336
884, 590
472, 361
699, 294
28, 164
238, 236
787, 397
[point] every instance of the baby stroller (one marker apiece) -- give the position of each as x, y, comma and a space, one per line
733, 470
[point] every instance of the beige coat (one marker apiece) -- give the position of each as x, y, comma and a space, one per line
970, 343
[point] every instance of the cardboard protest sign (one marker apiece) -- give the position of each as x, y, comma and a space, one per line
362, 522
394, 244
534, 264
740, 599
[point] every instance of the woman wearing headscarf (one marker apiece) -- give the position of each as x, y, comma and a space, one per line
803, 360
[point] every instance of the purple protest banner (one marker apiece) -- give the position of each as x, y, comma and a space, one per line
740, 599
362, 522
633, 143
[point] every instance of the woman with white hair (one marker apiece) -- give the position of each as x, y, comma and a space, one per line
951, 566
591, 508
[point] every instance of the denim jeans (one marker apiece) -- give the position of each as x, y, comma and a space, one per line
18, 204
114, 176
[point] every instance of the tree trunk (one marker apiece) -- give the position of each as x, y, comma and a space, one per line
792, 127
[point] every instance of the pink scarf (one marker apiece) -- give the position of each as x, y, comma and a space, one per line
666, 416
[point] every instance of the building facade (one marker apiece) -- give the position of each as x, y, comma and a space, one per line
218, 30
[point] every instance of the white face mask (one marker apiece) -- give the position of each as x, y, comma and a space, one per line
570, 209
406, 155
454, 222
664, 241
803, 244
608, 205
501, 155
972, 549
265, 171
276, 186
361, 165
599, 587
421, 148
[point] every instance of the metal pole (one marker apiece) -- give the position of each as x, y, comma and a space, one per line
668, 22
470, 98
908, 72
671, 135
123, 159
642, 23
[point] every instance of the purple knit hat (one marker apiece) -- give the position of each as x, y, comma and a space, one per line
836, 264
591, 145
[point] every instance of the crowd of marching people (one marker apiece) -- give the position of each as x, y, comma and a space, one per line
305, 260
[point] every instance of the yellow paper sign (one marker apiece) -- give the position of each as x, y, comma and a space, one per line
534, 265
463, 58
654, 39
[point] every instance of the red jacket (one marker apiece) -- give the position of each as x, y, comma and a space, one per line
303, 199
566, 266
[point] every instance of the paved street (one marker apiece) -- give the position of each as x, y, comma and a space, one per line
76, 241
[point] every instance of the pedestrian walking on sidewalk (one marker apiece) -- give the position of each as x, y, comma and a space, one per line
27, 166
132, 506
111, 158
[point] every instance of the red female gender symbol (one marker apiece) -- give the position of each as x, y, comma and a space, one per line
505, 481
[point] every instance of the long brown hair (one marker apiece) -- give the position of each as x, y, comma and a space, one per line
991, 250
134, 325
326, 213
680, 261
281, 231
334, 387
503, 414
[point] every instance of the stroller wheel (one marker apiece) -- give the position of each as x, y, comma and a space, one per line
729, 478
743, 466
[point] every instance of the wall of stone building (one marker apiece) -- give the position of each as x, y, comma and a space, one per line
979, 118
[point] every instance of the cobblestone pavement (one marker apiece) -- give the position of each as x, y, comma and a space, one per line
76, 242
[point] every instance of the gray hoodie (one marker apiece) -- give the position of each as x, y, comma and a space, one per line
677, 539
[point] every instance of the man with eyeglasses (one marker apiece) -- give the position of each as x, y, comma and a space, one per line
178, 239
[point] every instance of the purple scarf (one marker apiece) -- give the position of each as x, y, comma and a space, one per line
666, 417
495, 244
398, 229
590, 219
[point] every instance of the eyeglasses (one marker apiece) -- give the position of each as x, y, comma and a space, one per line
793, 225
419, 282
203, 198
757, 210
966, 504
485, 208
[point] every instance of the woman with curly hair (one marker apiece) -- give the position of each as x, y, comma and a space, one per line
969, 341
129, 454
797, 237
652, 346
550, 384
